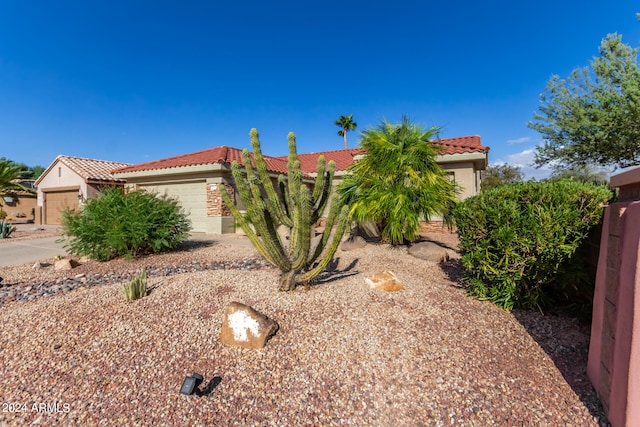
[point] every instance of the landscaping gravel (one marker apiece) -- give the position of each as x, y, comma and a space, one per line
344, 354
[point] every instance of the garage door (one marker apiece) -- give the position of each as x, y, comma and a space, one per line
192, 196
57, 201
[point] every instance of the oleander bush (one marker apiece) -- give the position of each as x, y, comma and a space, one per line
128, 225
520, 243
136, 288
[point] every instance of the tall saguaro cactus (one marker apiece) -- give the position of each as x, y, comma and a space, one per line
295, 207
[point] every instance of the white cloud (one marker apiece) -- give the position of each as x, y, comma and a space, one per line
524, 159
519, 140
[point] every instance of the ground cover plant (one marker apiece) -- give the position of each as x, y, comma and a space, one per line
119, 224
520, 242
296, 209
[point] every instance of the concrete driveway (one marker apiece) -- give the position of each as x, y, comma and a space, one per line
28, 251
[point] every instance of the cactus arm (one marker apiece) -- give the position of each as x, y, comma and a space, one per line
333, 214
320, 204
271, 251
302, 230
319, 184
261, 166
328, 256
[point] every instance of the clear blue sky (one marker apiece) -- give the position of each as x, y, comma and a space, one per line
134, 81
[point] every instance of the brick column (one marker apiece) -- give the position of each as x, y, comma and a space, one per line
215, 204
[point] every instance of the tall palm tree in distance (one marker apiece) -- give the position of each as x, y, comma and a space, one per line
346, 124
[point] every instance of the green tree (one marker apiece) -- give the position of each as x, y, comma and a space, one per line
398, 182
586, 173
593, 117
10, 175
497, 175
346, 124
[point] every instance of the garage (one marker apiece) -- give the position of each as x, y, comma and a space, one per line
57, 201
191, 195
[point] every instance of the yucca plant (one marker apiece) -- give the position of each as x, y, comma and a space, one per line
137, 288
296, 208
6, 228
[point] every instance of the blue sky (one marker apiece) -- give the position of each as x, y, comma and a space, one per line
134, 81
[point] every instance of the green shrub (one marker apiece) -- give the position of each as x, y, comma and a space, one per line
135, 289
128, 225
3, 214
6, 228
520, 243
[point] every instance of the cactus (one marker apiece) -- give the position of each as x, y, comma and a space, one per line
296, 208
6, 228
137, 288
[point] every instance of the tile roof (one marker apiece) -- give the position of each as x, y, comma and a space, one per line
342, 158
214, 155
462, 144
91, 170
308, 161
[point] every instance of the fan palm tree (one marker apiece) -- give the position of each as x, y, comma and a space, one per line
10, 176
398, 182
346, 124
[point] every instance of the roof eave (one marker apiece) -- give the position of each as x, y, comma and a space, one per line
479, 158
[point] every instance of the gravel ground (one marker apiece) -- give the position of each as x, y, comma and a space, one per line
344, 354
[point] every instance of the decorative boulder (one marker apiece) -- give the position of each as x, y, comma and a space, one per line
429, 251
244, 327
65, 264
385, 281
368, 230
353, 242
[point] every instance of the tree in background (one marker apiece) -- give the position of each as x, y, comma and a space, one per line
10, 175
398, 182
497, 175
593, 117
586, 173
346, 124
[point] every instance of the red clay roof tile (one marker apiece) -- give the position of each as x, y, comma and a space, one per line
308, 161
213, 155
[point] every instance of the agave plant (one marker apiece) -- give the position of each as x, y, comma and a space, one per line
137, 288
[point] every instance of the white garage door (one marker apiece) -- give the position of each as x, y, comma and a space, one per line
192, 196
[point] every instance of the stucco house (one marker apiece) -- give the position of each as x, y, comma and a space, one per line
196, 179
68, 182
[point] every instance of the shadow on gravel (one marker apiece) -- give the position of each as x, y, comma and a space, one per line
190, 244
566, 341
215, 381
331, 273
454, 270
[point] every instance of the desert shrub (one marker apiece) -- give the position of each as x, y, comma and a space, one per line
128, 225
6, 228
520, 242
3, 214
136, 288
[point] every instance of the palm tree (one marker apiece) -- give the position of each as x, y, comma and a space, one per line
398, 182
346, 124
10, 175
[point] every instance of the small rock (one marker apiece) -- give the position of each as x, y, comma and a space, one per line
65, 264
385, 281
244, 327
429, 251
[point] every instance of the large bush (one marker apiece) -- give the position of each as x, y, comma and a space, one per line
118, 224
520, 242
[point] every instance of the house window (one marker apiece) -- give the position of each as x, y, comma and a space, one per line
452, 177
59, 171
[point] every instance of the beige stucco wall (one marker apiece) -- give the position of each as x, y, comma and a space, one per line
60, 177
